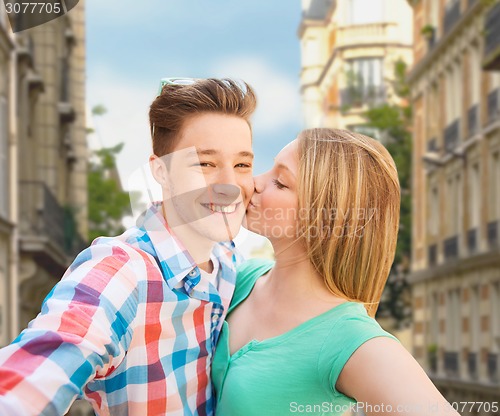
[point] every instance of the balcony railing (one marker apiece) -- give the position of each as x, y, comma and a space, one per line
371, 33
452, 136
42, 217
492, 39
493, 107
492, 234
472, 240
451, 363
432, 255
432, 145
360, 96
472, 365
451, 248
451, 16
472, 120
493, 367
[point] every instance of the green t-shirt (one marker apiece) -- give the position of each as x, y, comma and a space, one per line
292, 373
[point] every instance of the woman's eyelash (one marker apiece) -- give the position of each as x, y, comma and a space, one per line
278, 184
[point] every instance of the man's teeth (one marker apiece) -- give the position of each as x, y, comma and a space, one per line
227, 209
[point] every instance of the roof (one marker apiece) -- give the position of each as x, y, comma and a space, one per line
318, 9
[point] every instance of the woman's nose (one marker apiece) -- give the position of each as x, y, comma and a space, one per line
258, 182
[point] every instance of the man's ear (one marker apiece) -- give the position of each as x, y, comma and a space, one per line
159, 171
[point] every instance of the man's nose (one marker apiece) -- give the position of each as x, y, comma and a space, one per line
228, 191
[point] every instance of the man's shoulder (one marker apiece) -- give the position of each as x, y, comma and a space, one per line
125, 249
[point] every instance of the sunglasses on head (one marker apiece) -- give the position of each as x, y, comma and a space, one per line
175, 81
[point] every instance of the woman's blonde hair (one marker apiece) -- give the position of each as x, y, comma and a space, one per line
349, 200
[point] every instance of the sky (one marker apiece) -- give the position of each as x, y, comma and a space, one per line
131, 45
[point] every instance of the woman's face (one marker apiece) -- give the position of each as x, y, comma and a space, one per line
272, 211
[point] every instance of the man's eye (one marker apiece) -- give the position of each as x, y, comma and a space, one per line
243, 165
278, 184
205, 164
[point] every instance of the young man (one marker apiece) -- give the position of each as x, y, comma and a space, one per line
133, 323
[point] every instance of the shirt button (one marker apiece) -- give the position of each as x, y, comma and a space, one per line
192, 273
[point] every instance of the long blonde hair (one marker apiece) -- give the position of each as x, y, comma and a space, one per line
349, 201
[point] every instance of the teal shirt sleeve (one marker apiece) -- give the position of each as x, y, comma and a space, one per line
247, 274
346, 336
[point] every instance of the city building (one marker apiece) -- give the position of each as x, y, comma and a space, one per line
43, 161
455, 83
8, 269
349, 48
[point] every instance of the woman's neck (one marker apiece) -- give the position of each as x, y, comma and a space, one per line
294, 278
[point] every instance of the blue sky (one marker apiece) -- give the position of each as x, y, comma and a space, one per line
130, 45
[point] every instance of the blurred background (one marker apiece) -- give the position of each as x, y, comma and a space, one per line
421, 76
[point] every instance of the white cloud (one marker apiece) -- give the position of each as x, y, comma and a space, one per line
127, 102
277, 93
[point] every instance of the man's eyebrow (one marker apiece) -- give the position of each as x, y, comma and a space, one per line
212, 152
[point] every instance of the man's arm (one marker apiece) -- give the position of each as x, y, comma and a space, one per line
82, 332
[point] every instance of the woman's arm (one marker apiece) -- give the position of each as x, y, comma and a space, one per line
382, 372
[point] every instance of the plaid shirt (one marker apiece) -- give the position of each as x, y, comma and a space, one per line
131, 327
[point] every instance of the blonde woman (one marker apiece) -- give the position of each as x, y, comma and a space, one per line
300, 335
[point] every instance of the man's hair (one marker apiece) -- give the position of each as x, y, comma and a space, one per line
178, 103
352, 179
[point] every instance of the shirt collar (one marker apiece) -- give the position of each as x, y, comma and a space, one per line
175, 261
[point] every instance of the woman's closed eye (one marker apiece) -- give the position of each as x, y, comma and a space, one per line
278, 184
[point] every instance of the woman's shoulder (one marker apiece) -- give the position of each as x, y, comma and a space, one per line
353, 325
247, 274
352, 329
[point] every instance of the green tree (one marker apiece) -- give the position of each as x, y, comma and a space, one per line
107, 202
393, 121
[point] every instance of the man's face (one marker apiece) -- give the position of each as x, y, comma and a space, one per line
210, 176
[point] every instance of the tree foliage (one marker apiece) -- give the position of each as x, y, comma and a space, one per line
393, 121
107, 202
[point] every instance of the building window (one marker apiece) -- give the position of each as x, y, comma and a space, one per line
475, 74
475, 323
364, 82
369, 131
453, 333
453, 321
474, 196
365, 72
453, 93
454, 200
4, 166
434, 111
494, 80
434, 213
434, 319
361, 12
494, 194
495, 315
